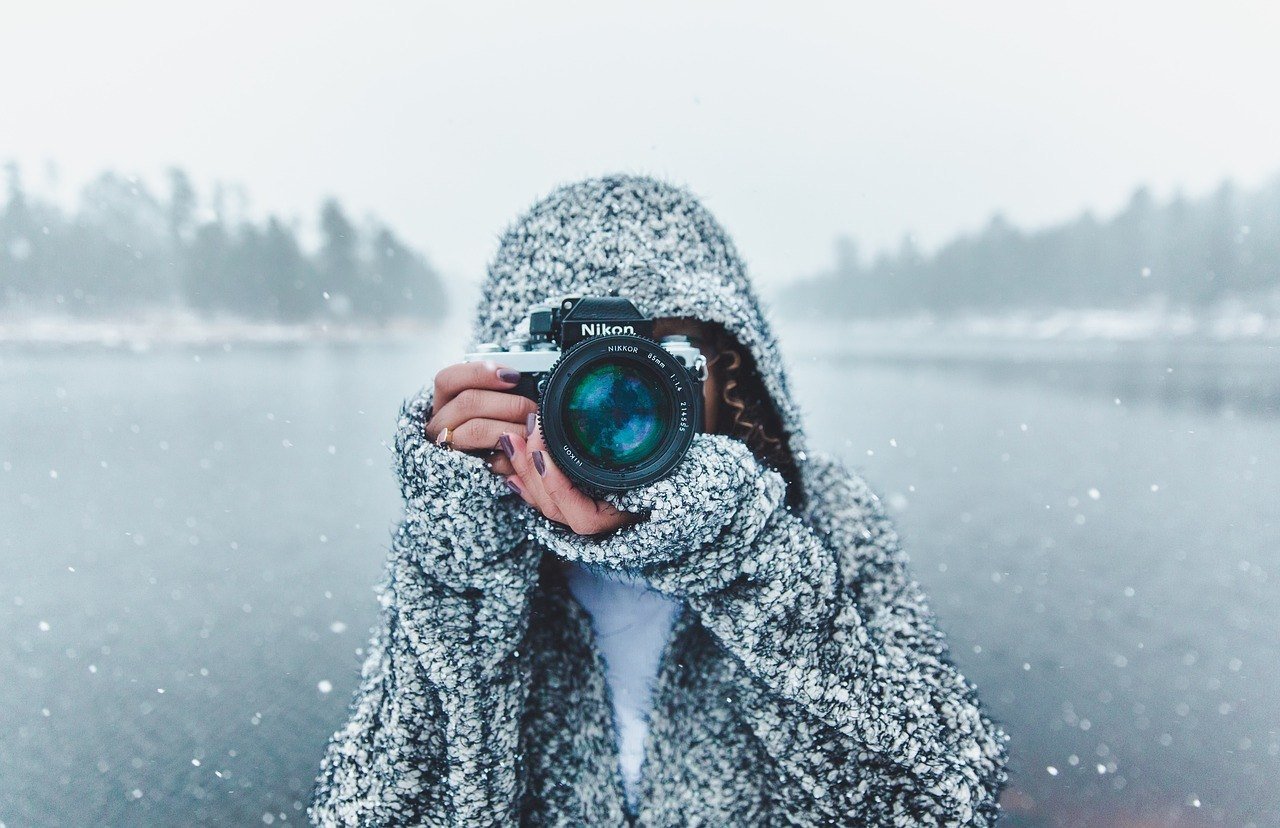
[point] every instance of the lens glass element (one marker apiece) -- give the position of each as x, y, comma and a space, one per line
616, 414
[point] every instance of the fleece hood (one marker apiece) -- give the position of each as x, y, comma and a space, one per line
804, 681
643, 239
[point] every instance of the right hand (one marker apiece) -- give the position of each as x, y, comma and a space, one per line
473, 400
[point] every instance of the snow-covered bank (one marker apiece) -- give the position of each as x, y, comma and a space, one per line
1153, 325
181, 329
1229, 322
1227, 336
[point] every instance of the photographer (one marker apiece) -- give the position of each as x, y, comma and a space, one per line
777, 664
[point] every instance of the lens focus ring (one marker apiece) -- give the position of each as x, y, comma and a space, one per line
618, 412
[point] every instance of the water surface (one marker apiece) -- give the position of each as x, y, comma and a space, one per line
188, 540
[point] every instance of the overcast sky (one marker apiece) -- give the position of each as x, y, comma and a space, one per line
794, 125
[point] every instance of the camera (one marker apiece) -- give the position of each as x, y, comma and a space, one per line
618, 410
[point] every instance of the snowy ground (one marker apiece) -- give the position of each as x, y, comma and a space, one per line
1229, 322
144, 331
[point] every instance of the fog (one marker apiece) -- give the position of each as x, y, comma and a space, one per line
1025, 265
446, 120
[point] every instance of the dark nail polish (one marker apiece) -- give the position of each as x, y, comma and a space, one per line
505, 442
530, 424
512, 486
539, 463
508, 375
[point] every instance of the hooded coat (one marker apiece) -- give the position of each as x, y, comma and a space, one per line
804, 681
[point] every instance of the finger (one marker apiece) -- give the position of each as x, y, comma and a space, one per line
531, 479
514, 482
495, 461
481, 434
450, 381
472, 403
500, 465
584, 514
516, 485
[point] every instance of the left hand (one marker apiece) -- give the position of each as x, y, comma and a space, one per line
544, 487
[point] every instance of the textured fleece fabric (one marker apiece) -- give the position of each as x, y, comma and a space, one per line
804, 682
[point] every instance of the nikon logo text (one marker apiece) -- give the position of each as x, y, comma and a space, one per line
601, 329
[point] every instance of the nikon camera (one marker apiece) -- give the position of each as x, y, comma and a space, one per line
617, 409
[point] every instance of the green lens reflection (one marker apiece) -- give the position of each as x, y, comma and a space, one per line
616, 415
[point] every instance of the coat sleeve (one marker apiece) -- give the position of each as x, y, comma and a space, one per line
844, 677
432, 733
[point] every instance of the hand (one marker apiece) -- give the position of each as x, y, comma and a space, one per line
547, 489
709, 509
473, 400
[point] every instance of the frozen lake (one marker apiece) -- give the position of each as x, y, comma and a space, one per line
189, 536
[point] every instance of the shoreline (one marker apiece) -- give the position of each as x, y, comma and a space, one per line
143, 334
1085, 333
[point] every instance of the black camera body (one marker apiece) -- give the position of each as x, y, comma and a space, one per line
617, 409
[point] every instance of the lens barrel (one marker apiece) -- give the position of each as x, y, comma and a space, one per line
618, 412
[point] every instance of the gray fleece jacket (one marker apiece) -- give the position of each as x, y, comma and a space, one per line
804, 682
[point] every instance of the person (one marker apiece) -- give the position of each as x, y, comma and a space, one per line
737, 643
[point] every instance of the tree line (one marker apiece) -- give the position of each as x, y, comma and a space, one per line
124, 248
1188, 253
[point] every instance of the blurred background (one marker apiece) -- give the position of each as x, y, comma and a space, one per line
1025, 263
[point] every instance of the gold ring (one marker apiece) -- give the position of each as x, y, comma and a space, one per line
444, 439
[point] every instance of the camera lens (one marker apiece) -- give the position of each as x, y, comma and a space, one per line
616, 414
618, 411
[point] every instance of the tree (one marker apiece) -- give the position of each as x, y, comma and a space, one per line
405, 281
339, 263
1193, 253
295, 296
124, 249
208, 268
17, 242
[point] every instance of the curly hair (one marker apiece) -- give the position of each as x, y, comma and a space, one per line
746, 410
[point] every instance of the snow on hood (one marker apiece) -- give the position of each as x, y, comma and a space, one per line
649, 241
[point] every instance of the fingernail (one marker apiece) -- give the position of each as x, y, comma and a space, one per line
539, 463
511, 485
505, 442
508, 375
530, 424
